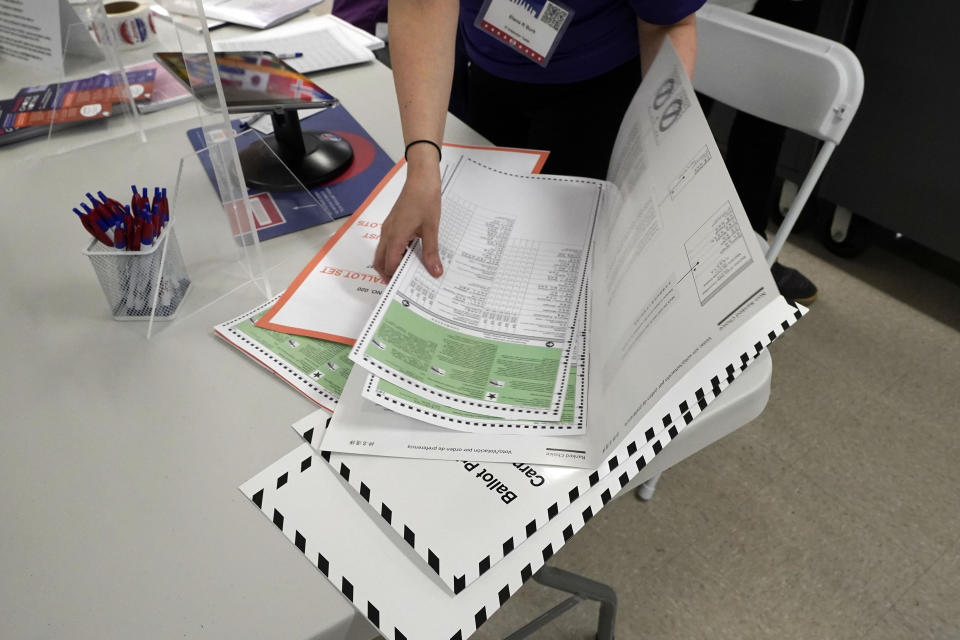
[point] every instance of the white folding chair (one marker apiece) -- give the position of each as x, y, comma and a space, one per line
790, 77
794, 79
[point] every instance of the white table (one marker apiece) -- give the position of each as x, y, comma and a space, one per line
120, 457
119, 510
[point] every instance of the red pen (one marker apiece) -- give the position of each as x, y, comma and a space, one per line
164, 205
135, 236
93, 229
133, 231
135, 200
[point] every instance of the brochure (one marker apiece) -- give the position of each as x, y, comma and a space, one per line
31, 112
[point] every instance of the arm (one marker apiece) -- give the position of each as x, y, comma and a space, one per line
682, 34
422, 40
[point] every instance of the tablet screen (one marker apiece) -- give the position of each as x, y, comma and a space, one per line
252, 81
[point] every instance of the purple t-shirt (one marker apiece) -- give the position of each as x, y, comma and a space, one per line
601, 36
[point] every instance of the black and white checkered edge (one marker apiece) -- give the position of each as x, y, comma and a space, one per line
635, 455
590, 503
228, 332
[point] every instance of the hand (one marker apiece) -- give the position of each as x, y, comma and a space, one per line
416, 214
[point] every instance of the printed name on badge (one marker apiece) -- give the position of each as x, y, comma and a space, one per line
530, 27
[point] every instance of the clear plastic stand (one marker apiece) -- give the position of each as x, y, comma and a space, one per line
91, 49
221, 150
217, 248
110, 47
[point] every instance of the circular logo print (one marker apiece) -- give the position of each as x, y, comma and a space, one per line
90, 110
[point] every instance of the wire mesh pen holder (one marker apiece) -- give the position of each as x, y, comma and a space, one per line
149, 284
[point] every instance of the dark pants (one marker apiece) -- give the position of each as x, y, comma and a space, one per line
753, 148
576, 122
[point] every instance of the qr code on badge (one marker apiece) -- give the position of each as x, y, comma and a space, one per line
553, 16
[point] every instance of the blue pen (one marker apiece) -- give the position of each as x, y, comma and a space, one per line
119, 237
287, 56
157, 219
148, 216
147, 234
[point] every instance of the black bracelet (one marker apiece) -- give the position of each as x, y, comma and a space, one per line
431, 142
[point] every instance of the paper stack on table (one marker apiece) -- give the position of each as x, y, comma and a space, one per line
317, 364
325, 42
259, 14
656, 273
34, 110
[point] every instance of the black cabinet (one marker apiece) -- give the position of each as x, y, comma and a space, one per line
899, 165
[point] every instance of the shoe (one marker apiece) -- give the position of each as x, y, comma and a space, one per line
793, 285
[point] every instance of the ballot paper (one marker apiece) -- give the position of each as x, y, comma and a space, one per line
675, 276
319, 368
341, 275
408, 403
316, 368
322, 42
461, 536
494, 333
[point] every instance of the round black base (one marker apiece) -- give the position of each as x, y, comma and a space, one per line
327, 156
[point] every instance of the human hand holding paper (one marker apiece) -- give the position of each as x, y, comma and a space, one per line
416, 214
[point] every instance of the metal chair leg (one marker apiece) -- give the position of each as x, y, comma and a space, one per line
582, 589
645, 491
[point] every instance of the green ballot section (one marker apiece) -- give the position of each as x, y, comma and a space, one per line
390, 389
326, 363
512, 374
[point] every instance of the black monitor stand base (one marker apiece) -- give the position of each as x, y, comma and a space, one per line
308, 159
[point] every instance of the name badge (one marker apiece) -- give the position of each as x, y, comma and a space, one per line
530, 27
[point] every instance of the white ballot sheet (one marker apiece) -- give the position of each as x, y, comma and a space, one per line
494, 334
341, 275
462, 548
405, 402
323, 43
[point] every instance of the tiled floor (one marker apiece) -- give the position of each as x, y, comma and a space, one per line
836, 514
